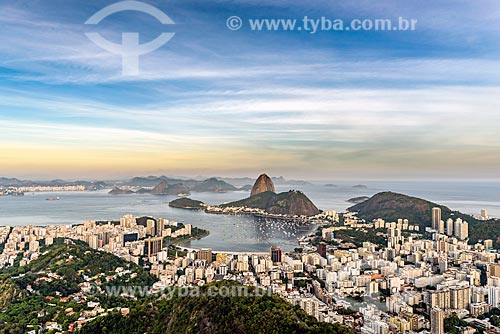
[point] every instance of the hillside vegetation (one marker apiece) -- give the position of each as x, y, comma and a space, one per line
392, 206
38, 292
216, 314
187, 203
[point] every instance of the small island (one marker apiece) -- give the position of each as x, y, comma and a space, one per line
120, 191
187, 203
359, 199
360, 186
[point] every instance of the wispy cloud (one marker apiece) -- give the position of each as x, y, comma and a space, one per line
353, 103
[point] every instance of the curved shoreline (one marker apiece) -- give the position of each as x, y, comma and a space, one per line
186, 240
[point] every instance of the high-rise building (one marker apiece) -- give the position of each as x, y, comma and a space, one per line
449, 227
93, 241
457, 297
275, 254
461, 229
495, 270
437, 321
494, 296
436, 218
460, 297
205, 254
456, 227
160, 226
441, 227
484, 214
153, 246
463, 233
128, 221
322, 249
151, 227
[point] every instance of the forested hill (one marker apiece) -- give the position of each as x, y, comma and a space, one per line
216, 314
44, 289
392, 206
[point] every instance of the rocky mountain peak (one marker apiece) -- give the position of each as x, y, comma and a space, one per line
263, 184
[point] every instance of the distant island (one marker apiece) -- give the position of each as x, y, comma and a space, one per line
360, 186
187, 203
330, 185
183, 188
120, 191
359, 199
247, 187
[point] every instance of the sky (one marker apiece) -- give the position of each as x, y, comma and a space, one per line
215, 101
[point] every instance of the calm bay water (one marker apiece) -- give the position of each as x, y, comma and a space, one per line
231, 232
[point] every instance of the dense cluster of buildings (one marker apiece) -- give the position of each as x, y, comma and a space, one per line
411, 284
128, 239
38, 188
10, 191
458, 228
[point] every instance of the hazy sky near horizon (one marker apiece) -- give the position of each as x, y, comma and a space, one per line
329, 105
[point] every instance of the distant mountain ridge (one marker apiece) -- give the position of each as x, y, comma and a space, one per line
164, 187
280, 180
214, 185
142, 181
14, 182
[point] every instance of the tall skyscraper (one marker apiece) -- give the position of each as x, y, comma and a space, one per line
437, 321
436, 218
484, 214
275, 254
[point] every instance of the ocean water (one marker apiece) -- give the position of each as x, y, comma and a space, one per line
235, 233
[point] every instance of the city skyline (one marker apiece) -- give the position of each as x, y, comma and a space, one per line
212, 101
